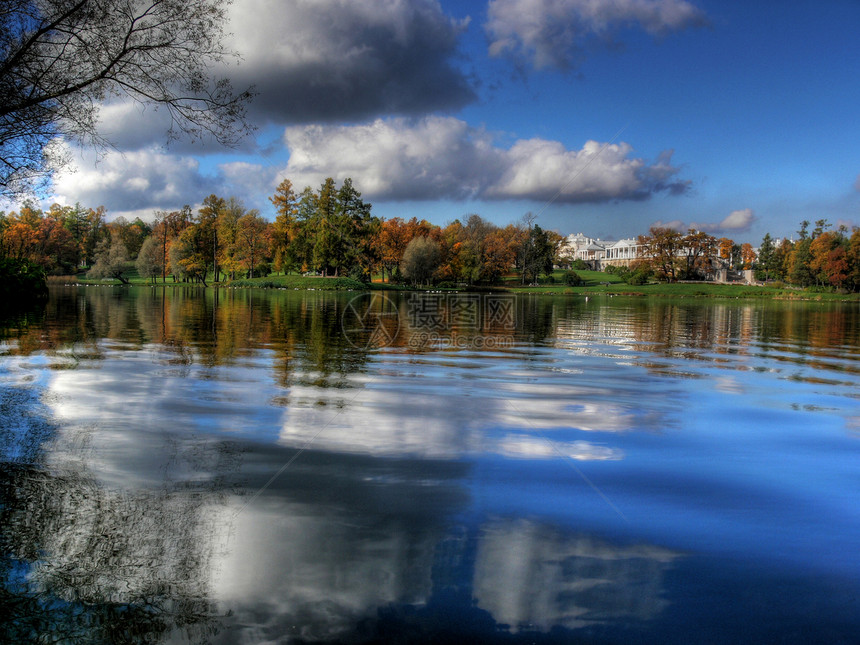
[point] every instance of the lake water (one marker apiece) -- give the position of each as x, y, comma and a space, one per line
181, 465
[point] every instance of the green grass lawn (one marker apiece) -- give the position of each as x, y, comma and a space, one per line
269, 282
300, 282
595, 282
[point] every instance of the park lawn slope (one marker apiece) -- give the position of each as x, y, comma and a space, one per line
597, 282
269, 282
300, 282
594, 282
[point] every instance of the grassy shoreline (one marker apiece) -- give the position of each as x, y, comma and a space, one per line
595, 283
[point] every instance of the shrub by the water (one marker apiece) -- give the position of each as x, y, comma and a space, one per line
636, 277
21, 280
572, 279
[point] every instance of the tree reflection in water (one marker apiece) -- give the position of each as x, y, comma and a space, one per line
82, 563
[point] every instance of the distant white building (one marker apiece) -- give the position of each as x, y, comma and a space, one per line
598, 253
622, 253
588, 249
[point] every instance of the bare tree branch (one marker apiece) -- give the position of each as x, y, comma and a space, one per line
61, 59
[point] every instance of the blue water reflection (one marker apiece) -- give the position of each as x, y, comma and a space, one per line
231, 467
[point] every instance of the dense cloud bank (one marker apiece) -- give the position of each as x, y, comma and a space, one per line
328, 60
444, 158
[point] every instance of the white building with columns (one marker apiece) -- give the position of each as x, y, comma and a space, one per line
599, 253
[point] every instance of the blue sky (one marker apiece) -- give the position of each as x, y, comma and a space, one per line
600, 116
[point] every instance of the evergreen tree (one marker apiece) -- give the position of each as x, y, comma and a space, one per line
767, 256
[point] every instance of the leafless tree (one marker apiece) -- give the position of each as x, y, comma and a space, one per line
61, 59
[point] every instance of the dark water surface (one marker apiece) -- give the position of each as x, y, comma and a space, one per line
266, 467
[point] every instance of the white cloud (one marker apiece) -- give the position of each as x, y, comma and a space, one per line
131, 126
738, 220
545, 170
434, 158
556, 33
675, 225
444, 158
132, 183
253, 183
137, 183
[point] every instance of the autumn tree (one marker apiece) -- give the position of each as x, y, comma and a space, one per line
96, 233
451, 242
132, 234
253, 240
149, 262
392, 242
421, 260
498, 256
724, 245
782, 258
662, 247
190, 255
829, 258
61, 59
285, 230
516, 235
206, 234
853, 257
40, 238
111, 260
19, 232
699, 249
393, 237
229, 252
748, 256
167, 227
56, 249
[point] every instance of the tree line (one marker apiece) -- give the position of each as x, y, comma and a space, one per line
671, 255
331, 231
824, 257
